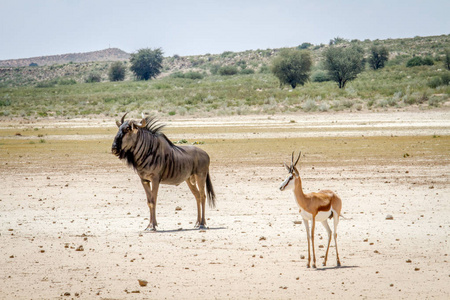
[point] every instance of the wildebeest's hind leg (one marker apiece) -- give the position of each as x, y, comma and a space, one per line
201, 183
193, 187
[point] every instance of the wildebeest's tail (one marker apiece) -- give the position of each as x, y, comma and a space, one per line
210, 192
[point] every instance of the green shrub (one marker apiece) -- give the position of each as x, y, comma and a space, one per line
445, 78
309, 105
228, 70
188, 75
5, 102
247, 71
320, 76
264, 69
193, 75
305, 46
435, 82
419, 61
414, 62
428, 61
66, 82
93, 77
214, 69
46, 84
116, 71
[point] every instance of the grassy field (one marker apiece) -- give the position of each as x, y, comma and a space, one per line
392, 87
61, 90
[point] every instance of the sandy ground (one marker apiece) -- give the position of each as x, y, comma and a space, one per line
72, 215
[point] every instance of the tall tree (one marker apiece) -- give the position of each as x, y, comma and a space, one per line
292, 67
379, 55
146, 63
343, 63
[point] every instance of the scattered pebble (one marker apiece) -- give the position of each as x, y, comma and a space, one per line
389, 217
178, 208
142, 282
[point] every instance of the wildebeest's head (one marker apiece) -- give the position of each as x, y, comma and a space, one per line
126, 137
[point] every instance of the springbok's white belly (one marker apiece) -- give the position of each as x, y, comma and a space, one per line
320, 217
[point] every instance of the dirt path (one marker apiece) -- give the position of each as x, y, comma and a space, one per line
72, 214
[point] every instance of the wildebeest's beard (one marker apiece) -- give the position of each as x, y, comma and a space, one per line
116, 147
118, 150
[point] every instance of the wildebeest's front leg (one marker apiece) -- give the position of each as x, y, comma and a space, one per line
152, 194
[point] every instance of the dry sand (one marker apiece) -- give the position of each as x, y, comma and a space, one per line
72, 215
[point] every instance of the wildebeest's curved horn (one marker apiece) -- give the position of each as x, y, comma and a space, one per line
121, 120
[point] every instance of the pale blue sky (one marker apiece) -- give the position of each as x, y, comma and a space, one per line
31, 28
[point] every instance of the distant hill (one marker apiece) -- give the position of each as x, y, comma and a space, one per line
111, 54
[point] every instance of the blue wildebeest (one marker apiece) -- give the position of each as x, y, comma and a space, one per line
158, 161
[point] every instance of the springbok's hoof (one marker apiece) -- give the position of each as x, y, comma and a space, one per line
314, 266
150, 229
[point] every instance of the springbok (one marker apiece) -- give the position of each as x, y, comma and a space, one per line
158, 161
314, 207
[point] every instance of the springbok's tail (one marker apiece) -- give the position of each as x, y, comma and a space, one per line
210, 192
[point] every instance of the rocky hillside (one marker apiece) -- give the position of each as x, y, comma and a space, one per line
111, 54
77, 67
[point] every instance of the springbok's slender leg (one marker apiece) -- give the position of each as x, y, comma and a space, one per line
313, 227
152, 194
201, 182
306, 222
335, 222
327, 227
193, 187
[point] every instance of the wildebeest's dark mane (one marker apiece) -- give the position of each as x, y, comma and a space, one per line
148, 145
153, 125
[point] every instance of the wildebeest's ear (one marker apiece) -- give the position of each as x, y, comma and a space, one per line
118, 123
134, 126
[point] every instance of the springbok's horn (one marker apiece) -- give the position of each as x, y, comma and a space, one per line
287, 167
300, 153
